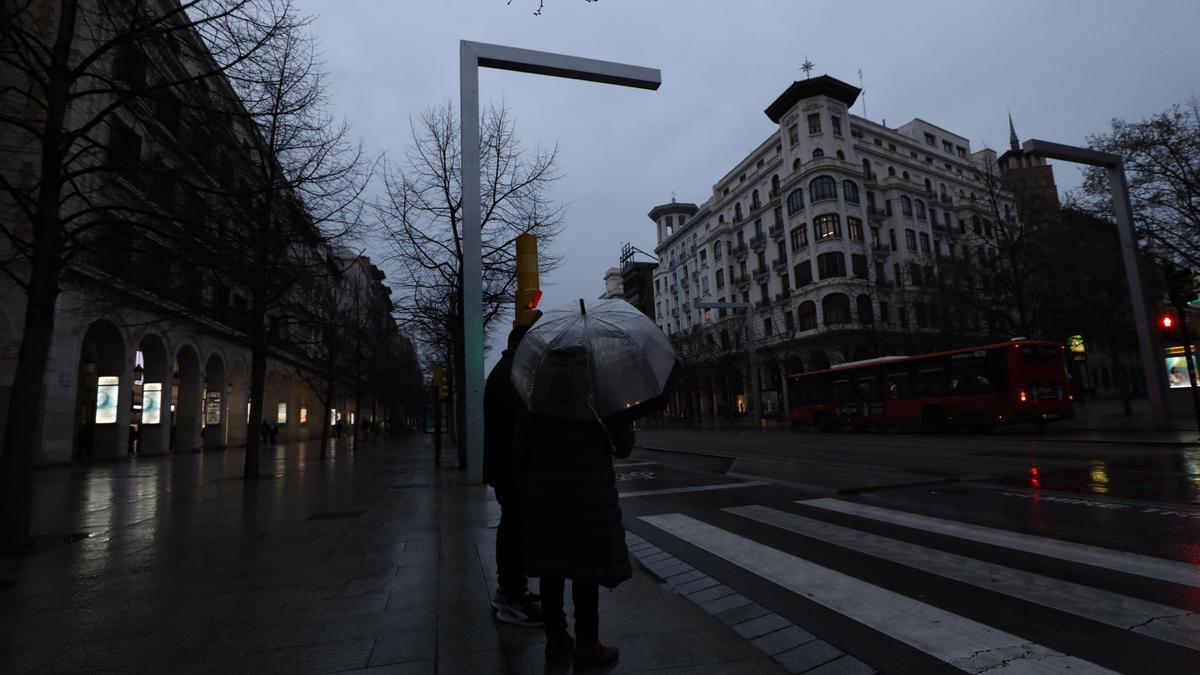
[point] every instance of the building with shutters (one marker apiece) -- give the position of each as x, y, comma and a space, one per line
834, 228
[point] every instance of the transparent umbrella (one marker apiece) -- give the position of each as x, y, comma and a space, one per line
592, 362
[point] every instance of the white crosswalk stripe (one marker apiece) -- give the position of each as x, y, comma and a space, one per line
1118, 561
956, 640
1148, 618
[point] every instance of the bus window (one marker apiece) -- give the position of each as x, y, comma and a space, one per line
868, 388
931, 381
842, 390
1040, 353
962, 377
898, 385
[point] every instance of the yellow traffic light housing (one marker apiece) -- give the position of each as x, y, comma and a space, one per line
528, 292
439, 383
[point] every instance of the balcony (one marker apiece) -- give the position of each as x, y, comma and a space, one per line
881, 253
759, 274
876, 214
757, 242
739, 250
775, 231
741, 282
761, 304
783, 295
779, 265
945, 198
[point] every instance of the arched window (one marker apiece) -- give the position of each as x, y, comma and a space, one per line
754, 203
774, 185
866, 311
976, 225
928, 187
806, 315
906, 206
827, 226
818, 153
867, 169
891, 171
737, 212
831, 265
795, 201
822, 187
796, 164
850, 191
835, 309
905, 175
841, 155
920, 209
720, 218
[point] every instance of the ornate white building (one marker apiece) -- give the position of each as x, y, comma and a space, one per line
833, 227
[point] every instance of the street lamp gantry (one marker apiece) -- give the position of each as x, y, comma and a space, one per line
472, 57
1124, 216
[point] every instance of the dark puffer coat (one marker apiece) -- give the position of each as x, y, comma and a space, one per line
572, 517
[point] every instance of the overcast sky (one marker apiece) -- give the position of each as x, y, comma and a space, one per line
1063, 67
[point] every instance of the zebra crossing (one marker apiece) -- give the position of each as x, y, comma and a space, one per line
735, 535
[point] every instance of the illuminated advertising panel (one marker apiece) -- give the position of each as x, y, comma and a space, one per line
281, 413
212, 408
107, 390
152, 403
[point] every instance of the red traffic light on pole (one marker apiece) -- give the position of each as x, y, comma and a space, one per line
1167, 322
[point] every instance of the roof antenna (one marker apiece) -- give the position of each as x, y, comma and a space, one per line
582, 309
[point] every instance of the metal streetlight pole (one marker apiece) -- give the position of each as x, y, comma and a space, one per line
472, 57
748, 308
1124, 216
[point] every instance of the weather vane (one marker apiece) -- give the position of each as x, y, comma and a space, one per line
807, 67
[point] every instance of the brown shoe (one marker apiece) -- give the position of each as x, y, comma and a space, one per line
595, 655
559, 647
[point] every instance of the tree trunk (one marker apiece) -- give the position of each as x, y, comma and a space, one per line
258, 385
22, 434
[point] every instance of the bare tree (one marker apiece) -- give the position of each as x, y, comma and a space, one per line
71, 72
422, 220
300, 200
1162, 165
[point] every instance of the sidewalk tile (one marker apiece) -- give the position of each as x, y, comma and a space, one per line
808, 656
783, 640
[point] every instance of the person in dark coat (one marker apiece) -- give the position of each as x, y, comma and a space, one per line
502, 407
573, 526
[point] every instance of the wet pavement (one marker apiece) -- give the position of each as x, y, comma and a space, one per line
368, 560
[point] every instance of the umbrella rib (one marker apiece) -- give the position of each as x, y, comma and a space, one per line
641, 353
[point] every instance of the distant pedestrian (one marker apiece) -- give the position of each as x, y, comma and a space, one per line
573, 527
274, 432
513, 603
266, 432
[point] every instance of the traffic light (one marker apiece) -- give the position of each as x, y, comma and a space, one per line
1168, 322
1182, 286
439, 383
528, 291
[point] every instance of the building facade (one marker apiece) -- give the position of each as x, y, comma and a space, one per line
150, 348
834, 228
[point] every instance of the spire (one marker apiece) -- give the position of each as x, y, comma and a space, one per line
1013, 142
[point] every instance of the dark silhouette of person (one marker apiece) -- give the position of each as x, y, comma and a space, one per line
274, 432
573, 526
266, 432
513, 603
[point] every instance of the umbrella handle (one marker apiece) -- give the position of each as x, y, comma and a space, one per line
582, 309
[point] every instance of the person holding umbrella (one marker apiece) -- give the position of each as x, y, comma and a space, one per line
513, 603
584, 375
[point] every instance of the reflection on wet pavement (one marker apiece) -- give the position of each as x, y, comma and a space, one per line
1169, 477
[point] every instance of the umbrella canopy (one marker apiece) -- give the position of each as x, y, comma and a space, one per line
592, 362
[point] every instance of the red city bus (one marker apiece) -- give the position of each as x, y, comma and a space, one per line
979, 387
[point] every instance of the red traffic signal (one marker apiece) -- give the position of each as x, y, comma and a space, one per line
1167, 322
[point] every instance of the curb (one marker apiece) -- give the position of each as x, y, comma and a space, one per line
792, 647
